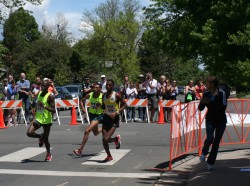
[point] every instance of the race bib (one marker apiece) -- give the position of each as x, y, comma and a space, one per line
110, 109
95, 105
39, 109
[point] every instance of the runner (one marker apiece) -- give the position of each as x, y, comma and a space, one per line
95, 115
44, 110
111, 102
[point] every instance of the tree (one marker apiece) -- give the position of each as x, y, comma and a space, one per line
11, 4
204, 31
114, 37
48, 58
3, 52
58, 30
20, 29
83, 62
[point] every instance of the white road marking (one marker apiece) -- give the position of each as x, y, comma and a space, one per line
65, 183
23, 154
97, 160
79, 174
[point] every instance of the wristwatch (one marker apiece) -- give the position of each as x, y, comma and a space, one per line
118, 112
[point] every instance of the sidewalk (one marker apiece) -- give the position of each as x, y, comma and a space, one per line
231, 168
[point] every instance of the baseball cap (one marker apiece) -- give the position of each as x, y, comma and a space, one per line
103, 76
45, 79
86, 78
141, 75
5, 80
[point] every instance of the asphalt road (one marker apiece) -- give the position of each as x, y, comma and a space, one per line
148, 146
144, 147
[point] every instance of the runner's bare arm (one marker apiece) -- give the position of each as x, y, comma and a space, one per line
122, 101
51, 102
82, 102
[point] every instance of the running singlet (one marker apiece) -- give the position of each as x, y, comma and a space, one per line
111, 105
43, 116
95, 104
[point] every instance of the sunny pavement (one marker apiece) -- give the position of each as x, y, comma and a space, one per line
148, 145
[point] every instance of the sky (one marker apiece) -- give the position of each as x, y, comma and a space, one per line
71, 9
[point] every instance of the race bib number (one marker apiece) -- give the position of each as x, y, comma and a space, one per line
95, 105
110, 109
39, 108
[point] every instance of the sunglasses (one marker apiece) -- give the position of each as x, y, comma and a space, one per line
109, 85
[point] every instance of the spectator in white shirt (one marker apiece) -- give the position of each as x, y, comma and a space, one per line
103, 83
131, 93
151, 90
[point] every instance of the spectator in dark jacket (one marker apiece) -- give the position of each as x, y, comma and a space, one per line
216, 102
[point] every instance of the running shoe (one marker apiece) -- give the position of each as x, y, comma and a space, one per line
78, 152
118, 142
202, 158
41, 141
48, 157
107, 159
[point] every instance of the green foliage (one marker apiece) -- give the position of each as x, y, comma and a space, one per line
20, 29
114, 37
83, 62
3, 51
211, 32
47, 58
8, 5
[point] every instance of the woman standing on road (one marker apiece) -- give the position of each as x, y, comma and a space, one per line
216, 102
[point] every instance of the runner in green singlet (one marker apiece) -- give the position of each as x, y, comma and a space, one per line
95, 115
44, 109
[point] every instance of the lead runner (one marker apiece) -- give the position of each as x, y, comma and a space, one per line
44, 109
111, 102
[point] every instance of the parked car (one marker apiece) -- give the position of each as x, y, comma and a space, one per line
63, 93
181, 89
74, 90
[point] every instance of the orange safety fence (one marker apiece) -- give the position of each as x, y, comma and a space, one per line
187, 123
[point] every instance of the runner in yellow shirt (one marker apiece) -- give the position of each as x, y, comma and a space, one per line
113, 105
44, 109
95, 115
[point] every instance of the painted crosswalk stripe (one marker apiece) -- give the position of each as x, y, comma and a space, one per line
80, 174
97, 160
22, 154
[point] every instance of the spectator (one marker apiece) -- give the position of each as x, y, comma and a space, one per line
174, 91
86, 86
151, 90
167, 96
131, 93
168, 89
52, 88
35, 89
199, 89
161, 88
103, 83
3, 90
23, 87
10, 79
140, 86
124, 87
190, 92
11, 93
